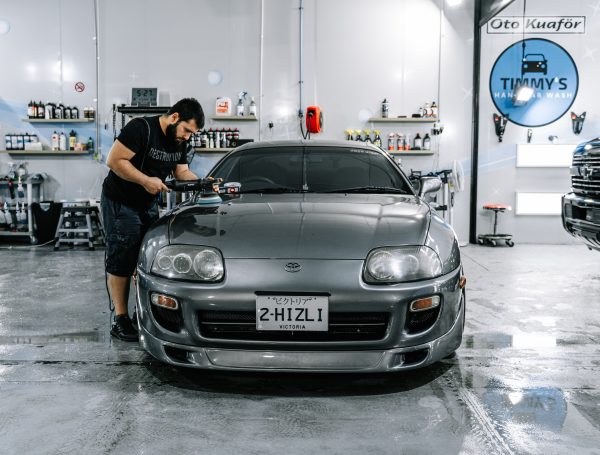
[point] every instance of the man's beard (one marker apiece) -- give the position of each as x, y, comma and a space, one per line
172, 134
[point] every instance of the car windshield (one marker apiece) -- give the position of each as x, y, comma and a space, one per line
317, 169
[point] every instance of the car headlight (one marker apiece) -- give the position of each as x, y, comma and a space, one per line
186, 262
398, 265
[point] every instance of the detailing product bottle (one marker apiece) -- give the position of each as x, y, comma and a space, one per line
385, 107
377, 140
90, 144
427, 110
72, 140
426, 142
434, 110
357, 137
418, 144
55, 141
252, 108
400, 143
74, 112
8, 141
59, 111
7, 216
40, 110
239, 110
49, 111
62, 141
20, 142
2, 220
67, 112
391, 142
368, 137
30, 109
407, 142
349, 135
23, 227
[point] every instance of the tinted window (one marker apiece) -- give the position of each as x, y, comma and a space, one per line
313, 169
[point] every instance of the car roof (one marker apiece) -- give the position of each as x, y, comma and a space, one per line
308, 143
539, 55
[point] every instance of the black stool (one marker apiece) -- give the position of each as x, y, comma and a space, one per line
79, 224
492, 239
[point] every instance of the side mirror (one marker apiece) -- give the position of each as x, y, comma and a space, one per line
429, 185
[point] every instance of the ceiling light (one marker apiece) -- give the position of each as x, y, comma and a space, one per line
453, 2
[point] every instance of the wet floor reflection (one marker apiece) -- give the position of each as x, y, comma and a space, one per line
542, 407
80, 337
497, 340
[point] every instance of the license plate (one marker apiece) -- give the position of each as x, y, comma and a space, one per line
292, 312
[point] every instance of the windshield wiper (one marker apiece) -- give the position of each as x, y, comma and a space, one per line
369, 189
272, 189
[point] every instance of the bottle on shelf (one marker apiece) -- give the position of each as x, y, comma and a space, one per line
67, 112
30, 109
357, 136
72, 140
40, 110
239, 109
349, 136
391, 142
62, 141
418, 142
74, 112
368, 137
90, 144
55, 142
434, 110
426, 142
377, 140
252, 107
400, 142
385, 108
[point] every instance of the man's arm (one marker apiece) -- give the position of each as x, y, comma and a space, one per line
182, 172
119, 161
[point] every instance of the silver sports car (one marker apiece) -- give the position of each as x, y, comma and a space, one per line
321, 257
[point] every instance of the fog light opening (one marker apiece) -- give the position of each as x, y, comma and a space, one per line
425, 304
164, 301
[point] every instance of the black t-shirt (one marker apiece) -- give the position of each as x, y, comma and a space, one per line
155, 156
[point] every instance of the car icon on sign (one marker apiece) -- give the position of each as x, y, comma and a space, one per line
534, 63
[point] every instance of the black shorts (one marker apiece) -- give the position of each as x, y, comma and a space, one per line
125, 228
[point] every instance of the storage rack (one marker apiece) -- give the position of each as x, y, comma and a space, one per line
29, 184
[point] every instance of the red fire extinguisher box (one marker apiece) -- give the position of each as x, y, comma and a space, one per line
314, 119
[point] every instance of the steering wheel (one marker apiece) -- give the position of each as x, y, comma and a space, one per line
258, 179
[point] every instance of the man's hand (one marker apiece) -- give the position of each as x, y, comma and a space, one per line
154, 185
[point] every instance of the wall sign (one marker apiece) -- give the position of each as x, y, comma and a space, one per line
537, 24
542, 65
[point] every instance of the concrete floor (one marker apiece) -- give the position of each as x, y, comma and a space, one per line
525, 381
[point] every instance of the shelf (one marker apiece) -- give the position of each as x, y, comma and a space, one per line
143, 109
403, 120
213, 150
58, 120
412, 152
235, 118
18, 233
47, 152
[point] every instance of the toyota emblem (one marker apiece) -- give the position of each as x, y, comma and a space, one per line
292, 267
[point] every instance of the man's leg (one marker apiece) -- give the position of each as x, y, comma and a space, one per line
119, 292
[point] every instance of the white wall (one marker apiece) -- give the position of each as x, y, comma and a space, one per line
355, 54
499, 179
48, 49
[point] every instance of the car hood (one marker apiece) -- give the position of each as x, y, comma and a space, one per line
303, 226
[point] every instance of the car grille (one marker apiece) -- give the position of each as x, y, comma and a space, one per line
241, 325
591, 185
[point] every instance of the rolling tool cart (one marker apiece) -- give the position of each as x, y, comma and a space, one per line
79, 223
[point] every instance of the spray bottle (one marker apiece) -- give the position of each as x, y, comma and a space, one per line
8, 216
252, 108
55, 141
62, 141
20, 191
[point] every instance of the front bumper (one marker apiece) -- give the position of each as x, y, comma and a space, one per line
397, 350
581, 218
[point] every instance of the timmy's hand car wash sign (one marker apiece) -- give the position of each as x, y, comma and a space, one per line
543, 66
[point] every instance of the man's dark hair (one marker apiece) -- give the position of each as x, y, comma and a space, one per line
189, 108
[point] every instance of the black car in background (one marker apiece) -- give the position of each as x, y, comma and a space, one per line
581, 207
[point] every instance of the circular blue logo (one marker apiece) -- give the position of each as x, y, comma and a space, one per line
541, 65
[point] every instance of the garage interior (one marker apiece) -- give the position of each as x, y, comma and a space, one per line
525, 378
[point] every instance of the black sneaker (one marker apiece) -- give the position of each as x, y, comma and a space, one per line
123, 329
